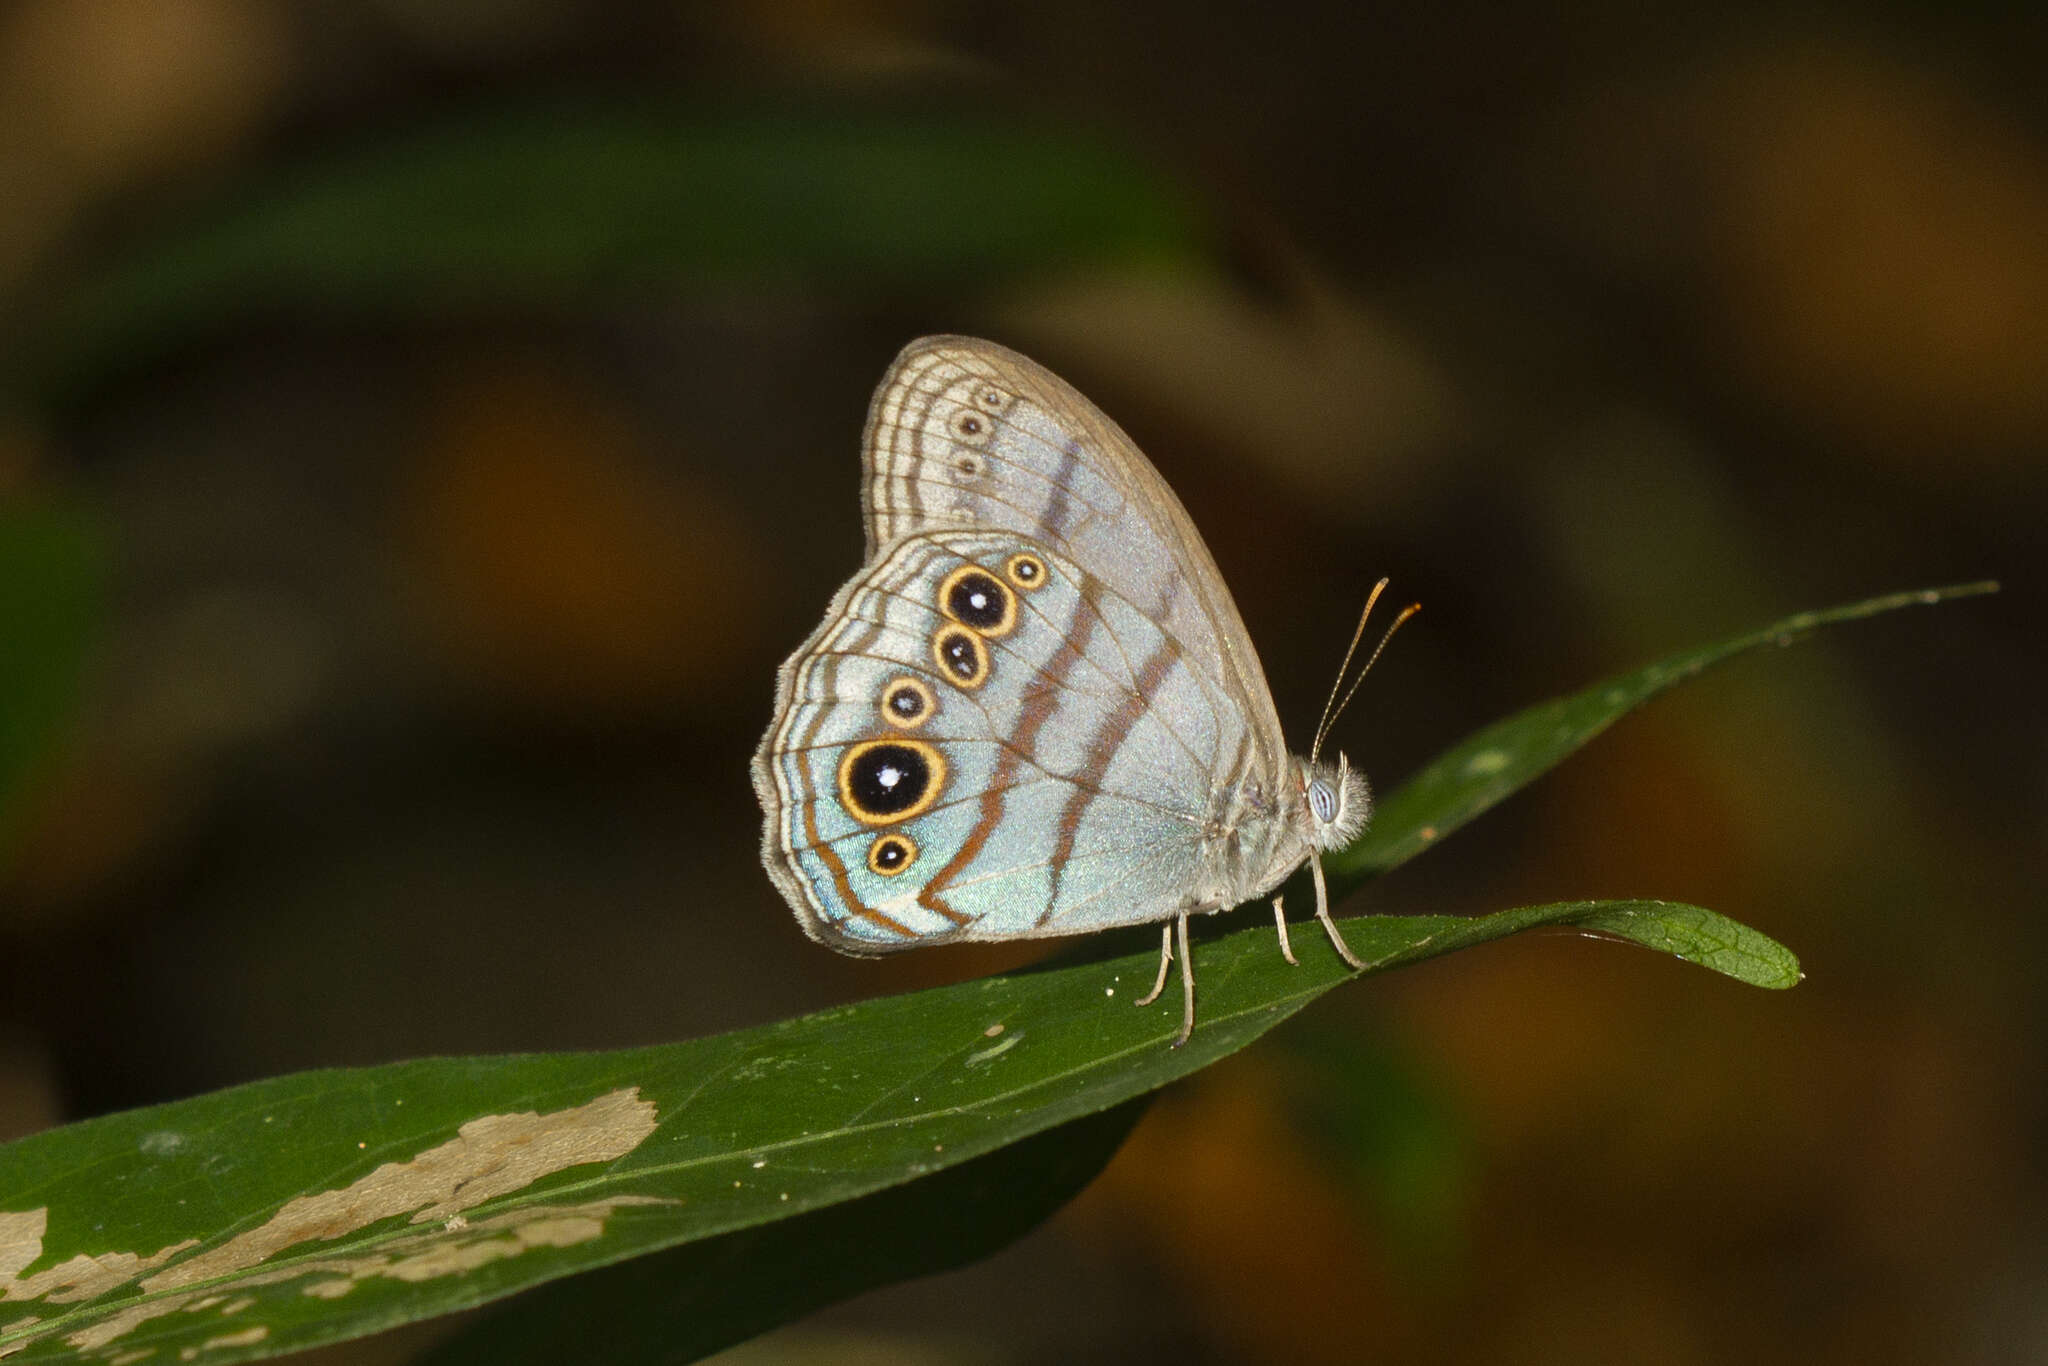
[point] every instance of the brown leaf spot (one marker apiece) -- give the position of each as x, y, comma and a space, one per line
488, 1157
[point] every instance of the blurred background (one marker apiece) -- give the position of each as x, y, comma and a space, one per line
425, 425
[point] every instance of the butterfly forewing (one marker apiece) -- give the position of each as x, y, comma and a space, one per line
965, 433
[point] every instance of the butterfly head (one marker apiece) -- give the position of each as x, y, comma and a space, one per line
1336, 799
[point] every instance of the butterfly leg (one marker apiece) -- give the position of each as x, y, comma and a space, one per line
1315, 868
1280, 924
1187, 975
1187, 982
1165, 962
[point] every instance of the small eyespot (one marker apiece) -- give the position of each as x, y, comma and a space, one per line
975, 598
1322, 801
968, 466
908, 703
885, 781
1025, 570
962, 656
890, 854
993, 399
968, 426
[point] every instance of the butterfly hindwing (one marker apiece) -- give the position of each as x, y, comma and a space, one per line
985, 741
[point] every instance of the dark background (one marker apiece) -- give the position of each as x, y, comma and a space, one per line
443, 597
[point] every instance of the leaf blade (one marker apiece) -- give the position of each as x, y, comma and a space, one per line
653, 1147
1500, 759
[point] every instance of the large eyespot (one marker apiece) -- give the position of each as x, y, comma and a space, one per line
969, 426
1322, 801
907, 703
1025, 570
974, 597
885, 781
890, 854
962, 656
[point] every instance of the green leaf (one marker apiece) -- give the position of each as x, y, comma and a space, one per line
1383, 1129
287, 1213
52, 581
584, 204
1506, 756
328, 1204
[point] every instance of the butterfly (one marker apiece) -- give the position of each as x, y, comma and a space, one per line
1035, 710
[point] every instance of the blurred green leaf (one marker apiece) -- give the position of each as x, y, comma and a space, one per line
588, 205
52, 582
291, 1212
1391, 1139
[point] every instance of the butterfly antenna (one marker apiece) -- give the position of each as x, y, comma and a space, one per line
1336, 684
1335, 708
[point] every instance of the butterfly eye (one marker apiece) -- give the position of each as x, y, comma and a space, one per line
891, 854
1322, 801
1025, 570
885, 781
908, 703
962, 655
975, 598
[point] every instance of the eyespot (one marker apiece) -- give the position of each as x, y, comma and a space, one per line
885, 781
962, 656
1025, 570
975, 598
890, 854
908, 703
991, 399
969, 426
1322, 801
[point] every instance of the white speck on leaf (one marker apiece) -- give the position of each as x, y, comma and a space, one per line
248, 1337
989, 1054
1487, 761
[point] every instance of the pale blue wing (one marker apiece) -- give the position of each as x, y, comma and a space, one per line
1069, 788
